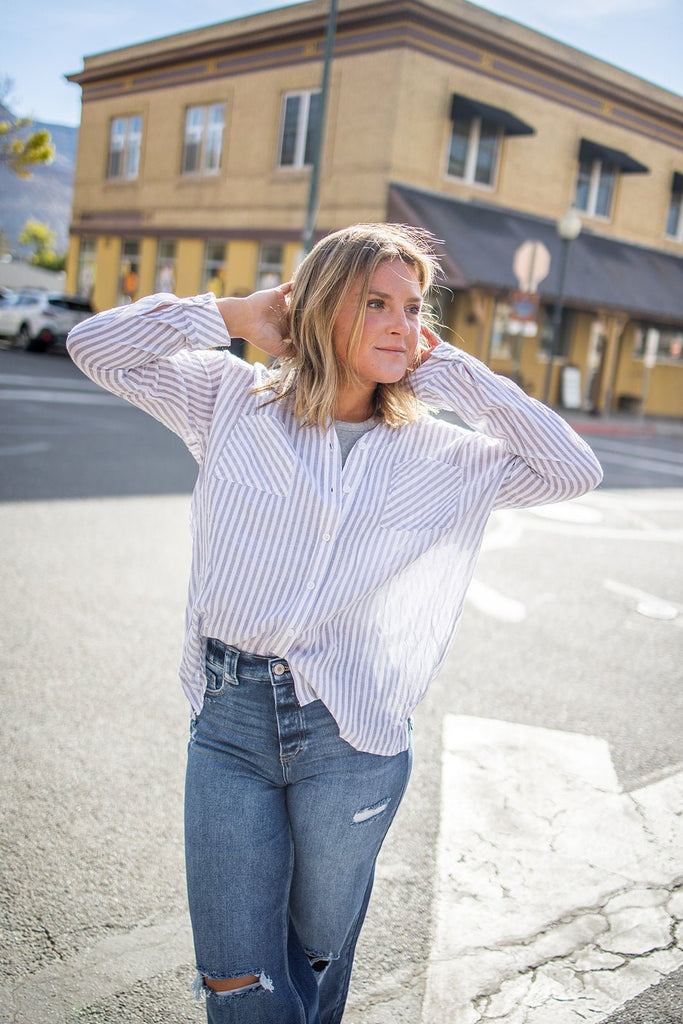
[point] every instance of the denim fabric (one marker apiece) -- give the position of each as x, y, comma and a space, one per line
283, 824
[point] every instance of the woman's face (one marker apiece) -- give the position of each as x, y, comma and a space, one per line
391, 328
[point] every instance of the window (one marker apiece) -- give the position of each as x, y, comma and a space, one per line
125, 134
473, 151
164, 279
499, 341
214, 265
674, 219
269, 273
597, 177
662, 342
476, 136
86, 267
300, 121
203, 141
595, 188
128, 270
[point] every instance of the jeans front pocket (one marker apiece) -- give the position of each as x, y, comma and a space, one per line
214, 671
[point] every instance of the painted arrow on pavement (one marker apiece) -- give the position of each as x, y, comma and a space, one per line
559, 897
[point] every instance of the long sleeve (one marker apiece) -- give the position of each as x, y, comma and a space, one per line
549, 461
159, 353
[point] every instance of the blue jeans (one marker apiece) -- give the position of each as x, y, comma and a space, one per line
283, 824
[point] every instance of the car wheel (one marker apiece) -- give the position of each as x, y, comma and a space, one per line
28, 343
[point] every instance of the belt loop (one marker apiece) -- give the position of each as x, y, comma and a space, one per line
230, 665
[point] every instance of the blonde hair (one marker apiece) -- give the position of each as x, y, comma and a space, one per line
311, 372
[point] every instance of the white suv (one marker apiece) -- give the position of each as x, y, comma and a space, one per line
35, 320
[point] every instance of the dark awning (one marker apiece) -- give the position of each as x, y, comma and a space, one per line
613, 157
677, 182
463, 106
480, 240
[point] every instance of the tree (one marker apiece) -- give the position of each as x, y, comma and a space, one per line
21, 149
42, 238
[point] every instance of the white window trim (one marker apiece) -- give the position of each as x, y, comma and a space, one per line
472, 154
129, 136
302, 128
593, 188
206, 130
678, 236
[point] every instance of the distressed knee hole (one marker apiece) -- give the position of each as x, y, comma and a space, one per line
368, 813
318, 963
232, 986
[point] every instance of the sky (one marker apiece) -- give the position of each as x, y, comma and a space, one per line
42, 40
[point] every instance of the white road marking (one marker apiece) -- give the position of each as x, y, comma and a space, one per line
556, 895
650, 605
24, 379
43, 395
661, 454
649, 465
569, 512
491, 602
30, 448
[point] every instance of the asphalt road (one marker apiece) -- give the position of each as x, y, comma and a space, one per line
573, 627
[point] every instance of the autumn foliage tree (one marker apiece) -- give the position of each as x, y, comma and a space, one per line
20, 148
41, 238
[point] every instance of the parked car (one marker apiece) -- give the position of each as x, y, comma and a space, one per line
35, 320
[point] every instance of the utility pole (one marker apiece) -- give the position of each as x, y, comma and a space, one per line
319, 132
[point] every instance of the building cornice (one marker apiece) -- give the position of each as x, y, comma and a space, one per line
452, 30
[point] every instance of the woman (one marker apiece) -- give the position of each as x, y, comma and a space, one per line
336, 527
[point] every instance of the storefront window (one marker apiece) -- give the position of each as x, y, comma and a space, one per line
129, 268
86, 267
165, 270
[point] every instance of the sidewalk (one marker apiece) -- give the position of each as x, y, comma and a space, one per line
619, 424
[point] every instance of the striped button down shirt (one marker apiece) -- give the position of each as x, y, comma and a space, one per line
355, 574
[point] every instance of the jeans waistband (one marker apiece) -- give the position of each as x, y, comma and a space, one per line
238, 663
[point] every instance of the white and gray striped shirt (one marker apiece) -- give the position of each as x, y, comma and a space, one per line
355, 574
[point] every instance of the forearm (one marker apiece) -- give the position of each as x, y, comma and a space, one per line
156, 327
557, 463
156, 354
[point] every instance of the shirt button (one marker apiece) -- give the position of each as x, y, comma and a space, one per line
326, 536
279, 669
347, 490
310, 586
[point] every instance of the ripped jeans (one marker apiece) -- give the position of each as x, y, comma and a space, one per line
283, 824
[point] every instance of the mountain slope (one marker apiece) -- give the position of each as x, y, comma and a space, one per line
47, 195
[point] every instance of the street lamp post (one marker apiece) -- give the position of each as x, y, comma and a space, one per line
568, 228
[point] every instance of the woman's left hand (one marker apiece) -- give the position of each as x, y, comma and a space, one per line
260, 318
429, 339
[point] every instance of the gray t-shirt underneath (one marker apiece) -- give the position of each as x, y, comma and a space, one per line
348, 433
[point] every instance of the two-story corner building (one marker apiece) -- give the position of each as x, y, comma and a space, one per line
194, 167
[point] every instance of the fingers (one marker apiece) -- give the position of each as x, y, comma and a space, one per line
430, 336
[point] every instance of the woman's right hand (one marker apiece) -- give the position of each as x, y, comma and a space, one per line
259, 318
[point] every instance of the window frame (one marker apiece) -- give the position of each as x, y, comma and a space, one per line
213, 265
669, 342
270, 264
594, 183
471, 161
128, 153
675, 202
303, 133
165, 266
205, 138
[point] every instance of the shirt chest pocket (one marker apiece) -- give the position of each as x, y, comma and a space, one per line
257, 455
423, 494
